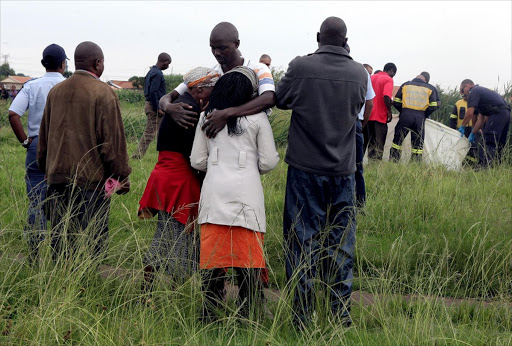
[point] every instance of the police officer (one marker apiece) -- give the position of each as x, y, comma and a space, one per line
32, 97
491, 119
415, 100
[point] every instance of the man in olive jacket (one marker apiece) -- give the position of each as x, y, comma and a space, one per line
325, 91
82, 147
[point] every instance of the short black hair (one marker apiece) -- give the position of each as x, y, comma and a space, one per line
51, 65
426, 75
389, 67
231, 90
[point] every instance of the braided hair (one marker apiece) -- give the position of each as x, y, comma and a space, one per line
231, 90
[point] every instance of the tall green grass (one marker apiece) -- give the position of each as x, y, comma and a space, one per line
426, 234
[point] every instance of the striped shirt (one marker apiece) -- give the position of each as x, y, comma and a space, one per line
266, 82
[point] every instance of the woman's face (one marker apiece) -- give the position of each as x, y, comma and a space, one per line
204, 94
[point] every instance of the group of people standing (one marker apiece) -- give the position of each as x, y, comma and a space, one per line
214, 142
8, 94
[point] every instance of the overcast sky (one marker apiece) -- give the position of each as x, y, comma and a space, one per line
453, 40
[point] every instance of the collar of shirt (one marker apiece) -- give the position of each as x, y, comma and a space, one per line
53, 74
89, 72
333, 49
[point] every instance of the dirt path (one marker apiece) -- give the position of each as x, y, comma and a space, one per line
273, 295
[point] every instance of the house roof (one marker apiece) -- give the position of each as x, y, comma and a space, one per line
16, 79
123, 84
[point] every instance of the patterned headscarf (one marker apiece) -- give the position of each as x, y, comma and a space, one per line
200, 77
251, 75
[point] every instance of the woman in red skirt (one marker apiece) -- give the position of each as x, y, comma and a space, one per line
173, 188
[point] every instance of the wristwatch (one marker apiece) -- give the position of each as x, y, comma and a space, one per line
25, 143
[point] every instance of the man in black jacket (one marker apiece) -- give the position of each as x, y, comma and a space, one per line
325, 91
154, 89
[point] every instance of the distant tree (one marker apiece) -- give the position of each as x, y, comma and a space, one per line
20, 75
172, 81
138, 82
67, 74
277, 74
6, 70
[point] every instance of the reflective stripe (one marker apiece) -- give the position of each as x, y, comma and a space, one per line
433, 104
396, 146
453, 116
417, 151
471, 158
396, 99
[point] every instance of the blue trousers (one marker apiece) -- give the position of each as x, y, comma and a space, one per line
35, 229
319, 229
359, 178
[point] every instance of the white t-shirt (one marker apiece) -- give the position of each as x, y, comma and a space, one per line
266, 82
370, 94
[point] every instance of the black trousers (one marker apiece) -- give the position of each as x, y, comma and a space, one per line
250, 292
79, 221
374, 139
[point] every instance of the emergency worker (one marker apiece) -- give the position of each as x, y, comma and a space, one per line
456, 118
491, 120
415, 100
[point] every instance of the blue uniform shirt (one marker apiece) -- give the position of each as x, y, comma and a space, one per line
33, 97
485, 101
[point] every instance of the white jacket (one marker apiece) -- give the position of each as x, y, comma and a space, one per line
232, 193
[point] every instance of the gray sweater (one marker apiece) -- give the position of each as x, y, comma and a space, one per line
325, 91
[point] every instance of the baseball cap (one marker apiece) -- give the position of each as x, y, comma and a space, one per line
54, 53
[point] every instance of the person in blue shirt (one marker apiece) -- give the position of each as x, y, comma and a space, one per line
32, 97
491, 121
154, 89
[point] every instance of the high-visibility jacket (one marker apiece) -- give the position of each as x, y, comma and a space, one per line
458, 114
416, 97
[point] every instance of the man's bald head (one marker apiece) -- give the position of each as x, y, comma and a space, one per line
164, 60
89, 57
422, 77
224, 31
333, 31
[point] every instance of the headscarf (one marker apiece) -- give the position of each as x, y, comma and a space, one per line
251, 75
200, 77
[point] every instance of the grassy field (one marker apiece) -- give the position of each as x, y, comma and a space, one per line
426, 234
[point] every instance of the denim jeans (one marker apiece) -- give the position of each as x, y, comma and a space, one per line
35, 229
359, 178
319, 232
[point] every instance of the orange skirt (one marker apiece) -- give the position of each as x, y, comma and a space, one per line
230, 246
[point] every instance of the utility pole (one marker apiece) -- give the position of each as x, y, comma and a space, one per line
6, 57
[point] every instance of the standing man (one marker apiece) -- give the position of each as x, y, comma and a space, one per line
32, 97
377, 128
427, 80
491, 120
265, 59
224, 43
82, 150
415, 100
154, 89
325, 91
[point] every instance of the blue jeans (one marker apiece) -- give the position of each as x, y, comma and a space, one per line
35, 229
319, 229
359, 178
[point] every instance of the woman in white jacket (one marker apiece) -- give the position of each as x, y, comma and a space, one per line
231, 208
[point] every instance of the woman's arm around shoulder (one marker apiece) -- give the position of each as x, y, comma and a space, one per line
199, 155
268, 155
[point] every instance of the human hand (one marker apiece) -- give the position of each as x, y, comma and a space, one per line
390, 117
125, 187
471, 138
181, 114
216, 121
462, 130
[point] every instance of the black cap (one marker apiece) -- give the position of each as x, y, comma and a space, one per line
54, 53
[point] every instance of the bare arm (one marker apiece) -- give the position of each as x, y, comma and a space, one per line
477, 125
367, 111
218, 119
17, 127
387, 102
179, 112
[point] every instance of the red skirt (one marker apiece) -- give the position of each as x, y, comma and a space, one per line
230, 246
173, 187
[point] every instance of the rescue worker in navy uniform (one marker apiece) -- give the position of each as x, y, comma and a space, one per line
491, 120
415, 100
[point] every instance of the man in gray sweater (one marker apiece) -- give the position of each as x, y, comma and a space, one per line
325, 91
